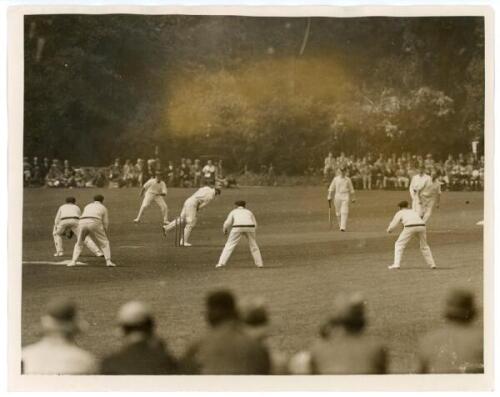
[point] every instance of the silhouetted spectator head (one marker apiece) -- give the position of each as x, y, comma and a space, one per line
254, 315
61, 317
221, 307
70, 200
217, 191
99, 197
460, 306
135, 317
349, 312
240, 203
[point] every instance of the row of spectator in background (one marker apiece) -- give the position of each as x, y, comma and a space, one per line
53, 173
466, 172
237, 342
463, 173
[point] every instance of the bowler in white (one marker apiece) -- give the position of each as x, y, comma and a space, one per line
241, 222
413, 225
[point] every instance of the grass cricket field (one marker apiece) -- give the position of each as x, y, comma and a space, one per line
306, 265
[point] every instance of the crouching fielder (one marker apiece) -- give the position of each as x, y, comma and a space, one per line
66, 221
412, 225
94, 222
154, 190
242, 222
189, 212
341, 189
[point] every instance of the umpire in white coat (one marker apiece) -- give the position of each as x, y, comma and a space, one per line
242, 222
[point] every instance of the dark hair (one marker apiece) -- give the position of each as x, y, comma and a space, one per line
240, 203
221, 307
144, 327
403, 204
99, 197
71, 200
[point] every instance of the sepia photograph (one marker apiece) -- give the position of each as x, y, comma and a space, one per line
251, 193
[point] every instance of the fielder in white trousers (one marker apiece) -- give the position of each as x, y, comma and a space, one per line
413, 225
242, 222
66, 220
154, 190
341, 189
94, 222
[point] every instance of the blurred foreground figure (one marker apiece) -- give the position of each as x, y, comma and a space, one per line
344, 348
57, 353
458, 346
226, 348
256, 320
142, 353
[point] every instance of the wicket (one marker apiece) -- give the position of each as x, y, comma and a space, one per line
180, 225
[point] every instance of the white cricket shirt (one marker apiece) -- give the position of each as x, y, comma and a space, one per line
67, 211
406, 217
154, 187
96, 210
419, 182
341, 186
240, 217
203, 196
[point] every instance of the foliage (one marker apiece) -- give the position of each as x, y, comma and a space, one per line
237, 88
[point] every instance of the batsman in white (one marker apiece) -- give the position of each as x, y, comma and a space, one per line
189, 212
94, 222
66, 224
341, 190
418, 183
413, 225
154, 190
242, 222
430, 197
